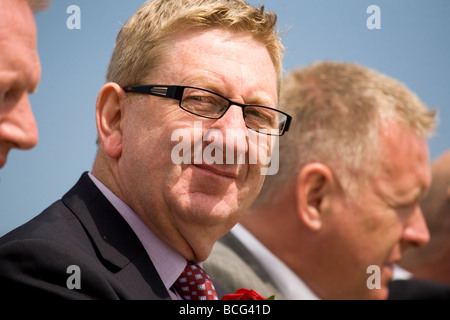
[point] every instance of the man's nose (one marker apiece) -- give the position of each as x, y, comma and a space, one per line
19, 125
415, 233
234, 132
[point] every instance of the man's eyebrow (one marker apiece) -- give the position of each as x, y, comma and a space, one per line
412, 198
204, 83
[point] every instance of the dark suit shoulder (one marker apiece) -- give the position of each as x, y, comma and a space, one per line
54, 224
82, 230
36, 258
418, 289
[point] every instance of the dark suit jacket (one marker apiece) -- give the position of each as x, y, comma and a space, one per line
85, 230
418, 289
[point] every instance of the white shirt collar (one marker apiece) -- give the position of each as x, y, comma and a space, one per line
286, 281
400, 273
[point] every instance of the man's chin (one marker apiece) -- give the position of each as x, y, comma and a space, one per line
206, 209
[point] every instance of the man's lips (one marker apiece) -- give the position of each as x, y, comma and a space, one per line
218, 171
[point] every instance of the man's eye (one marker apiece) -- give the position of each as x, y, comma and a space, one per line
262, 117
198, 99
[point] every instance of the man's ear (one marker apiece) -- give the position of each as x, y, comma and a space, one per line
109, 117
315, 182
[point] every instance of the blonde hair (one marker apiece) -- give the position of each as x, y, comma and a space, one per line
336, 110
143, 40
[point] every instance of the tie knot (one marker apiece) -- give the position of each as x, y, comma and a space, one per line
195, 284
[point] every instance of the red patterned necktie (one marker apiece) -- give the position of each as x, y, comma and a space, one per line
194, 284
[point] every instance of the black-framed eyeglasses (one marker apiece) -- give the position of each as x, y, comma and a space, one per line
208, 104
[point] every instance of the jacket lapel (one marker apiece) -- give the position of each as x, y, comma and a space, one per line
117, 245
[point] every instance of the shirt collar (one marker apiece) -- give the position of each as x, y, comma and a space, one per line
286, 281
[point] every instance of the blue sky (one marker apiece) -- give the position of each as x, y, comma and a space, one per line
413, 46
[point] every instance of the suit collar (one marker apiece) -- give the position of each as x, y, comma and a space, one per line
114, 239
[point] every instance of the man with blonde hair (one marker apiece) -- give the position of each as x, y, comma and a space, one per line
345, 203
141, 222
20, 71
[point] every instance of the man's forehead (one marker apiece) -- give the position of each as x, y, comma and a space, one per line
197, 58
405, 172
